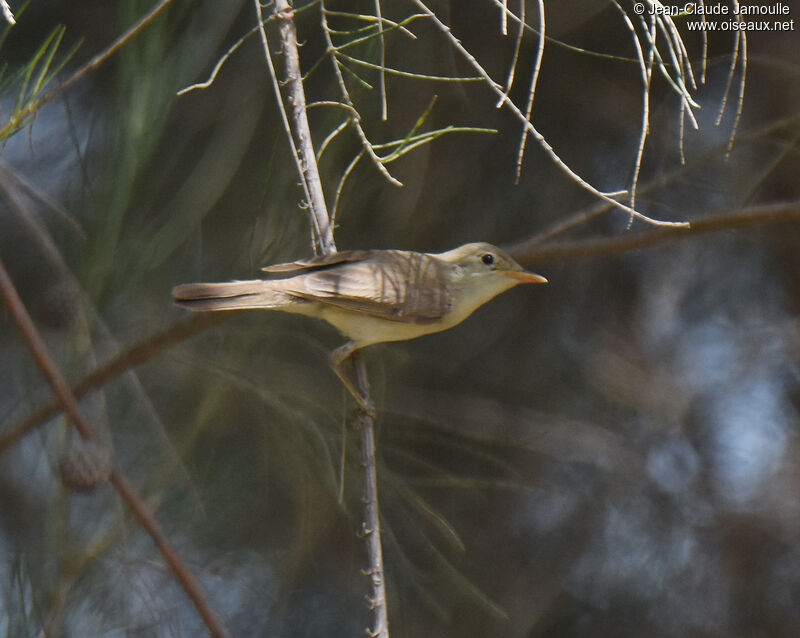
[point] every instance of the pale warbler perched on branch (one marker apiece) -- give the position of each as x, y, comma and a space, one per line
373, 296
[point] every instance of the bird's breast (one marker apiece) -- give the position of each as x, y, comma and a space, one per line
367, 329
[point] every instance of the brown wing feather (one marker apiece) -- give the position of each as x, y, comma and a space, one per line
322, 261
396, 285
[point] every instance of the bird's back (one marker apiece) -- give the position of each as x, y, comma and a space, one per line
395, 285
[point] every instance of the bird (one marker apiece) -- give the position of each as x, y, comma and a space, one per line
372, 296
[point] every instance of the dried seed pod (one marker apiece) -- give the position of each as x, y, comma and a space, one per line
86, 464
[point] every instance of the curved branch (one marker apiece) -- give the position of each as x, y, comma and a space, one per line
746, 218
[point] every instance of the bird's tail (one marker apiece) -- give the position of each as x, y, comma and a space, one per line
232, 295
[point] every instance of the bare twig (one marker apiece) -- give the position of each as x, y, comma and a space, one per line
222, 60
401, 73
7, 14
537, 66
512, 69
227, 55
739, 56
661, 180
372, 523
704, 40
65, 397
382, 81
646, 69
676, 55
327, 141
380, 21
342, 180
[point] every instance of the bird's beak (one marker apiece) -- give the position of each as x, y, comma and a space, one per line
525, 277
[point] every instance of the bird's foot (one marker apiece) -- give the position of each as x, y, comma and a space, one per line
365, 404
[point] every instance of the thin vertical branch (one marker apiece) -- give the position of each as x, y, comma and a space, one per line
382, 80
739, 53
682, 134
704, 40
372, 524
301, 133
61, 389
537, 66
512, 69
646, 69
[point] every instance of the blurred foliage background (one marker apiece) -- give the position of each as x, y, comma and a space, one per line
614, 454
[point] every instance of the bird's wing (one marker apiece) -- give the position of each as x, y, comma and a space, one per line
319, 262
401, 286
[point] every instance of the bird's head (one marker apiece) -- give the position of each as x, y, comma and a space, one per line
485, 271
487, 261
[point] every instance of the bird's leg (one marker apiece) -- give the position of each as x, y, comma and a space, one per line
338, 357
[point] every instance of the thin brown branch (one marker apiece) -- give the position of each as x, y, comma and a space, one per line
58, 383
747, 218
39, 353
187, 580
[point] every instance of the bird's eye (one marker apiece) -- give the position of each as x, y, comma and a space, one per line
487, 259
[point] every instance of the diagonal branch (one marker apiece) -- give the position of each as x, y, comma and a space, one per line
534, 252
118, 480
